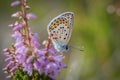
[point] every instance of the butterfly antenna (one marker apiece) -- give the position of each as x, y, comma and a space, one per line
78, 48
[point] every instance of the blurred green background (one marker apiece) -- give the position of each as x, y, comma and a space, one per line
96, 28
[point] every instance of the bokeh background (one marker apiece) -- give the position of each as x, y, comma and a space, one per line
96, 28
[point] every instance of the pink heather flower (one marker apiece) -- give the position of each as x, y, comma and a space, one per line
6, 53
16, 15
14, 69
22, 50
52, 51
58, 58
20, 58
15, 3
51, 70
10, 64
29, 59
27, 7
21, 54
39, 53
17, 36
28, 68
10, 76
17, 27
42, 61
19, 44
34, 40
8, 59
36, 64
54, 65
38, 67
31, 16
26, 52
5, 69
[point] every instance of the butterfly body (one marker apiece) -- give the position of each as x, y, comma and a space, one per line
60, 29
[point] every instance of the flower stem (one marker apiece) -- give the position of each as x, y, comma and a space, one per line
24, 19
48, 45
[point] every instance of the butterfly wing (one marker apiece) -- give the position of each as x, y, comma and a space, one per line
60, 29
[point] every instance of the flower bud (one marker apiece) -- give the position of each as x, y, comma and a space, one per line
15, 3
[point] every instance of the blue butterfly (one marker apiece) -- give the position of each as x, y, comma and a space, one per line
60, 29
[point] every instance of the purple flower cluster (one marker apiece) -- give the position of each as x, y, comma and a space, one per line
26, 53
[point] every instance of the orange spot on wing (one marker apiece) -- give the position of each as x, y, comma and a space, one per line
55, 37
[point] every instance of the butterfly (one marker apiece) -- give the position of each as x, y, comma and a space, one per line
60, 29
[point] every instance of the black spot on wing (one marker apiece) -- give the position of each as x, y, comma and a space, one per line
64, 38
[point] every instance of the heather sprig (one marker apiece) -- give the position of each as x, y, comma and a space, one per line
26, 59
